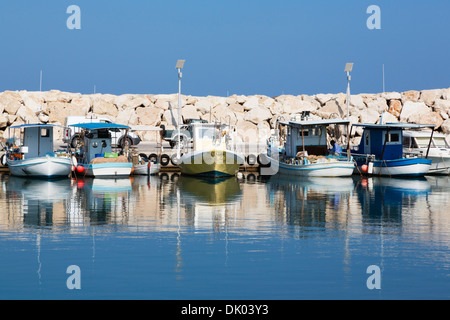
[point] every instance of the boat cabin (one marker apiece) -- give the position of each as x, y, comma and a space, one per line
308, 136
36, 140
206, 136
97, 140
385, 141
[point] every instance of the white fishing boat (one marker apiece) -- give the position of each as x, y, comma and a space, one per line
305, 151
417, 143
214, 153
143, 164
94, 156
146, 167
33, 154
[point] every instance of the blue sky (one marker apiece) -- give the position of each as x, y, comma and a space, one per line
230, 47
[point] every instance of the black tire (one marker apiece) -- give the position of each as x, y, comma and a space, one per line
143, 156
263, 160
165, 159
76, 139
174, 159
172, 144
153, 157
3, 160
125, 141
251, 159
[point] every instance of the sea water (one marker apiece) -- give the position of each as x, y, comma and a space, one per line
170, 237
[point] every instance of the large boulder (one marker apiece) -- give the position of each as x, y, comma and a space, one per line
102, 107
10, 102
258, 114
379, 104
369, 116
395, 107
149, 116
411, 95
445, 126
430, 96
410, 108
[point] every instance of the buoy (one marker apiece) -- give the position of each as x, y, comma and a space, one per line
364, 168
80, 169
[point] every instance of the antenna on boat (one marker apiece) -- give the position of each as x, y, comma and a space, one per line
179, 66
40, 82
348, 69
383, 79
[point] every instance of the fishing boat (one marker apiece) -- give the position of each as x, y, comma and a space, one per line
305, 151
213, 153
33, 154
145, 166
418, 143
380, 151
94, 156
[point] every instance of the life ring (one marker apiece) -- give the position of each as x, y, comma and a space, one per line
165, 159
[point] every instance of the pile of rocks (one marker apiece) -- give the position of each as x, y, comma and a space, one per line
254, 116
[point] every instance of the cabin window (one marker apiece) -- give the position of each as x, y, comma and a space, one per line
367, 139
392, 137
45, 133
406, 142
288, 131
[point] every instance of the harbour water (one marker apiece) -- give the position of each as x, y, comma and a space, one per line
171, 237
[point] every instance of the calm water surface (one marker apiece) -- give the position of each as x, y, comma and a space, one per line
177, 237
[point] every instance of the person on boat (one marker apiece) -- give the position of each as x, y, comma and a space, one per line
335, 148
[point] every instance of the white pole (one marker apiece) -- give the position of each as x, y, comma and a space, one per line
348, 94
383, 79
40, 82
179, 113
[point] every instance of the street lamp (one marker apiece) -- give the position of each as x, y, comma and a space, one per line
179, 66
348, 69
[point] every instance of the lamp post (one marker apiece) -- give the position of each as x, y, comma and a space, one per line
348, 69
179, 66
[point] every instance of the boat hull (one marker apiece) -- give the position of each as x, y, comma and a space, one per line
214, 163
107, 170
399, 167
146, 169
322, 169
41, 167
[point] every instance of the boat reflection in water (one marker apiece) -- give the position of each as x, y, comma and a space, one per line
310, 201
104, 201
35, 202
209, 202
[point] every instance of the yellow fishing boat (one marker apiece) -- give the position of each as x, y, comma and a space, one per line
214, 153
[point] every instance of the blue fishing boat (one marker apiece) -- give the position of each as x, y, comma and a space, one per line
94, 156
380, 151
306, 150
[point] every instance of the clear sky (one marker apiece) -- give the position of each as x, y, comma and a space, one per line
246, 47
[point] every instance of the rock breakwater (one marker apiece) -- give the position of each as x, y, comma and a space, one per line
251, 114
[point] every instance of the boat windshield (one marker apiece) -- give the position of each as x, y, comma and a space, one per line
440, 142
422, 142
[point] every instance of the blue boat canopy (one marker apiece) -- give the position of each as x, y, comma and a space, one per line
99, 125
33, 125
393, 125
311, 123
